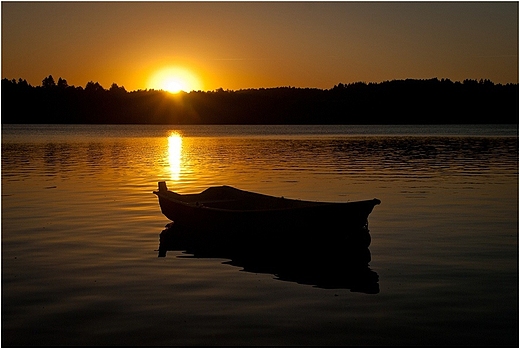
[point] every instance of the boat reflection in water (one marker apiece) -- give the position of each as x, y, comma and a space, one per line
332, 266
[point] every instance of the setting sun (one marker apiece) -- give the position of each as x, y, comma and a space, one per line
174, 80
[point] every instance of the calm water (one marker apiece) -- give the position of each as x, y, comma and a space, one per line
80, 227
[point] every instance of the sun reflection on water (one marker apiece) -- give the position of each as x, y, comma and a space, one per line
175, 154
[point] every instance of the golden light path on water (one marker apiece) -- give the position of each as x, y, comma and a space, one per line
175, 154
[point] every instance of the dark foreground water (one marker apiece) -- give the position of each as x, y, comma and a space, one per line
80, 230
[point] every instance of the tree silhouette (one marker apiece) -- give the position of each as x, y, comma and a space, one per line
115, 89
410, 101
62, 83
48, 82
94, 87
23, 83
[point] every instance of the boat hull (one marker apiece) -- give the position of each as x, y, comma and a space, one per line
226, 212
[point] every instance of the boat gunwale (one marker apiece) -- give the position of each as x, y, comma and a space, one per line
304, 204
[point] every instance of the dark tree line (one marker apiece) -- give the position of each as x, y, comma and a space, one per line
408, 101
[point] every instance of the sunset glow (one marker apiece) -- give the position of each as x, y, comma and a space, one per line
174, 80
184, 46
175, 155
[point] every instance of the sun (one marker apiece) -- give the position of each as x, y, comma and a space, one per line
174, 80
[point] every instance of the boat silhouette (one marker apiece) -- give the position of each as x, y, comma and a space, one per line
226, 213
324, 244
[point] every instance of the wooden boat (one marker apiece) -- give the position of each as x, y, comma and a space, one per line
225, 212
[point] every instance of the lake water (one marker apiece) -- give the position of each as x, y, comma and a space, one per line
80, 230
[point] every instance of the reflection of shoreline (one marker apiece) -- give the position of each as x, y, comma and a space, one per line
334, 267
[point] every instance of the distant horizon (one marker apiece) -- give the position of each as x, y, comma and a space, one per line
431, 101
259, 88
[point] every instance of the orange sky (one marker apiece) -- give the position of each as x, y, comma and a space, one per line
250, 45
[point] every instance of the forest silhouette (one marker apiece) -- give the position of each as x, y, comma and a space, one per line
409, 101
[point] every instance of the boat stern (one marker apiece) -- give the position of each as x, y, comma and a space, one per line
162, 187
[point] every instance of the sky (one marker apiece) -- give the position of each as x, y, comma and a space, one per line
240, 45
